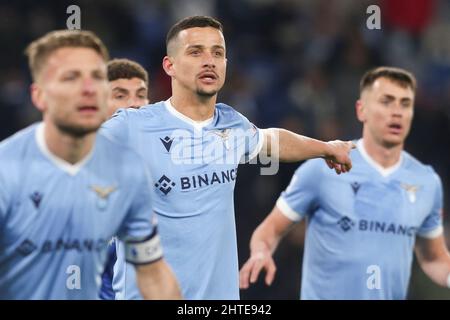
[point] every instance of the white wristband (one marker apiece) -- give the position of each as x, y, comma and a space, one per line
448, 281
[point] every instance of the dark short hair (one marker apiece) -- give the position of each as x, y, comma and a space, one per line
126, 69
400, 76
39, 50
192, 22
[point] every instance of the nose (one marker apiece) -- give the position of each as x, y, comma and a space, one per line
208, 60
397, 111
134, 102
88, 86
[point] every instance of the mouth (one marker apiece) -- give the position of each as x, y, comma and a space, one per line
395, 128
208, 77
88, 109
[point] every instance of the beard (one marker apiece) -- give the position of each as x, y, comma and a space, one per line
206, 94
77, 130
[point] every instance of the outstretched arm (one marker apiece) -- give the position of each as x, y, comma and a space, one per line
157, 281
263, 244
434, 259
291, 147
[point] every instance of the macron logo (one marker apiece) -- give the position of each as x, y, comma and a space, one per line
36, 197
167, 142
355, 187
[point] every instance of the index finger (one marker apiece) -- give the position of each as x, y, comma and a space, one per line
244, 274
348, 166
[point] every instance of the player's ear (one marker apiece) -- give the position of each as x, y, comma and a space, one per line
360, 111
168, 66
37, 97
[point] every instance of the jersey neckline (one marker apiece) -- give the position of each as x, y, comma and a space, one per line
65, 166
385, 172
199, 125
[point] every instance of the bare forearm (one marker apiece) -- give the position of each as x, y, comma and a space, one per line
434, 258
158, 282
264, 239
268, 234
291, 147
438, 271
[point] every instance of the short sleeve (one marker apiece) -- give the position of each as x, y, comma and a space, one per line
300, 197
253, 139
138, 230
432, 225
117, 127
139, 222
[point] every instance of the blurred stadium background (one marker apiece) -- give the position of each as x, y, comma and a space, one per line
294, 64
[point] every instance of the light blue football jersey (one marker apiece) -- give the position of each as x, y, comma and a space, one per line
194, 168
362, 225
56, 218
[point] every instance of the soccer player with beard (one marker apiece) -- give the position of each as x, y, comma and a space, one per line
66, 190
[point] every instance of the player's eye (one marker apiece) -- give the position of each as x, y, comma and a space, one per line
69, 77
99, 76
406, 104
